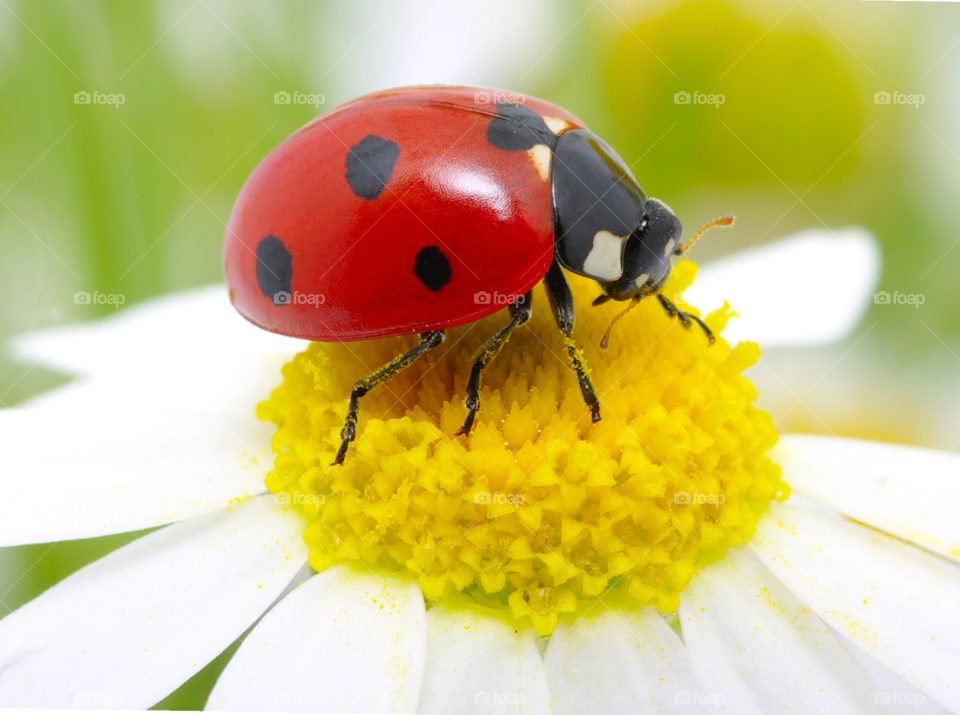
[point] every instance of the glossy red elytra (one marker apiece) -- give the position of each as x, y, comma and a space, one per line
390, 214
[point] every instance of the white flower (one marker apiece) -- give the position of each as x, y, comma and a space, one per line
844, 601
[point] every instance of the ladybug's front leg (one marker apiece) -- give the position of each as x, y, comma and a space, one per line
377, 377
520, 312
684, 317
561, 301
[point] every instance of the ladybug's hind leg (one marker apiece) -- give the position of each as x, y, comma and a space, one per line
561, 302
686, 319
520, 312
378, 377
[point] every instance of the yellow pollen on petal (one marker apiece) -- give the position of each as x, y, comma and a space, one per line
539, 512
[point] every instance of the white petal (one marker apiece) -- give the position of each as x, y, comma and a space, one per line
906, 491
895, 694
152, 333
478, 664
233, 386
757, 649
347, 640
895, 601
808, 289
77, 474
128, 629
191, 350
619, 662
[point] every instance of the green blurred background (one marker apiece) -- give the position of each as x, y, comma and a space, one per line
133, 199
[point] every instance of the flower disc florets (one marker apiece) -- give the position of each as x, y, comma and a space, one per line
538, 511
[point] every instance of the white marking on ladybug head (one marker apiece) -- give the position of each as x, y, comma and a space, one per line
642, 279
670, 246
604, 261
557, 125
541, 155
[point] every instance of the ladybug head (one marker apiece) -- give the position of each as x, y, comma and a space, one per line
647, 254
605, 226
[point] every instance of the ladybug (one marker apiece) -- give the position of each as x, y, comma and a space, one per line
404, 211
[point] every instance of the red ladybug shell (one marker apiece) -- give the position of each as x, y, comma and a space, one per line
389, 215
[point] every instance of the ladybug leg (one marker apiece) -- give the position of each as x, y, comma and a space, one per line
378, 377
520, 312
686, 319
561, 302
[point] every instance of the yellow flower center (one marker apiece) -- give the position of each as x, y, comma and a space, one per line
538, 511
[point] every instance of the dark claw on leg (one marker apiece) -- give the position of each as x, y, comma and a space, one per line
467, 424
706, 330
561, 302
349, 431
472, 406
520, 313
586, 387
377, 377
347, 435
686, 319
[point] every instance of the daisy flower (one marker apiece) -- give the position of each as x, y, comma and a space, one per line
543, 564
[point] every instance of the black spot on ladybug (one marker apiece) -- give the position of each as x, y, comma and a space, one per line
370, 164
518, 129
432, 268
274, 270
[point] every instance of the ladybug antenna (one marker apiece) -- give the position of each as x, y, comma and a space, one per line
722, 221
605, 340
